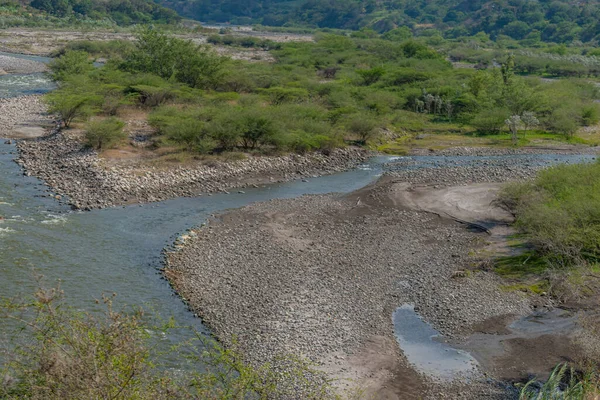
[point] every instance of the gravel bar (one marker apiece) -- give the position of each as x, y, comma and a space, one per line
319, 276
74, 171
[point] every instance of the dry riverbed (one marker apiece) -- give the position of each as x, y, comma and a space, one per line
320, 277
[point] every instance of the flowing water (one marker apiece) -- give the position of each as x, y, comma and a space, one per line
117, 249
13, 85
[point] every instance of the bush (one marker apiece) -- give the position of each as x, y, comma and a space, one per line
70, 106
280, 95
560, 212
564, 122
257, 130
69, 64
490, 121
64, 353
171, 57
363, 127
372, 75
590, 115
104, 134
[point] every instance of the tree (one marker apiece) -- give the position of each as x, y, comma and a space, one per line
529, 120
370, 76
363, 127
104, 134
514, 123
69, 64
171, 57
69, 106
257, 130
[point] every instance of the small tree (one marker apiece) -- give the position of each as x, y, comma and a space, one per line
363, 127
69, 106
529, 120
370, 76
514, 123
104, 134
69, 64
257, 130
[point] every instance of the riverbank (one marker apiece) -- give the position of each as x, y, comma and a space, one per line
320, 277
15, 65
24, 117
75, 171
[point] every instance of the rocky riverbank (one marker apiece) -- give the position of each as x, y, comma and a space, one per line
15, 65
76, 172
477, 166
320, 276
23, 116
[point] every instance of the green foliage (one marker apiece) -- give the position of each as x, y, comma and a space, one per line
504, 20
563, 384
280, 95
69, 64
256, 130
363, 127
560, 212
63, 353
109, 49
490, 120
70, 106
372, 75
211, 102
125, 12
104, 134
173, 58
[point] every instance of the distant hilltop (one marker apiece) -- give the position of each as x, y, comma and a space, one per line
559, 21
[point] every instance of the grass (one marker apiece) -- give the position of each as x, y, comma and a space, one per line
521, 266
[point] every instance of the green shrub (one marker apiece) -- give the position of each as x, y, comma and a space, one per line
280, 95
64, 353
490, 121
590, 115
372, 75
363, 127
104, 134
257, 130
171, 57
560, 212
563, 121
69, 64
70, 106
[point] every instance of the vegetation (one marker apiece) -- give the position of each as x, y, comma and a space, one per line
104, 134
559, 213
122, 12
563, 384
63, 353
83, 13
315, 96
559, 21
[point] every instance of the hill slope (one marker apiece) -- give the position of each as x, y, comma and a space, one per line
556, 20
122, 12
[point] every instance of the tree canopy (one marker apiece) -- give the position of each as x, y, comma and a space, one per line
558, 21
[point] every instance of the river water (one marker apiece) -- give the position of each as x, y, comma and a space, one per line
118, 249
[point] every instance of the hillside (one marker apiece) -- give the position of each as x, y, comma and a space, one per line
558, 21
121, 12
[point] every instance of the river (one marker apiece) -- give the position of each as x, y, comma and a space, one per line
118, 249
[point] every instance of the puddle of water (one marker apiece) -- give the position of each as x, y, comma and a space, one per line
433, 358
557, 321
